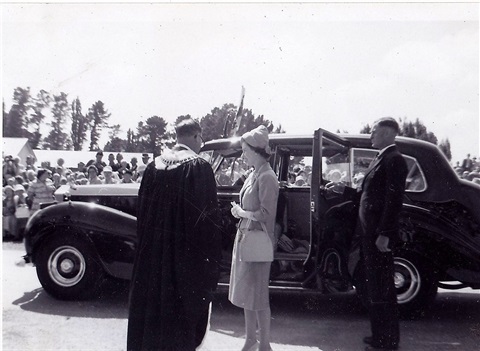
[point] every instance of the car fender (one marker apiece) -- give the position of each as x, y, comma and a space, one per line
432, 235
111, 233
441, 227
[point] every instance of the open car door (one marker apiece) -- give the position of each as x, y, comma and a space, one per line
330, 163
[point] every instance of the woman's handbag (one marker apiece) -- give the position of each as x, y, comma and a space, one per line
22, 211
255, 245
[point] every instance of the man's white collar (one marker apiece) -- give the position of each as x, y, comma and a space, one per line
385, 148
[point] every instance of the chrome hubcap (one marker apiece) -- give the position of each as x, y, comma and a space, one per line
407, 280
66, 266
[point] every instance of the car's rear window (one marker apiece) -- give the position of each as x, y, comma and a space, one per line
362, 157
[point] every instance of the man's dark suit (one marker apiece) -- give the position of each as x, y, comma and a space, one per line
380, 204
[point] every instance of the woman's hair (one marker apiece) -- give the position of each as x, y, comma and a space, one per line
262, 152
40, 172
92, 167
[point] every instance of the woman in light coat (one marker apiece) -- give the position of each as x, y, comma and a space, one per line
41, 191
258, 202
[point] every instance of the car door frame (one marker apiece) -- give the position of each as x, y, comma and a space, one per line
318, 202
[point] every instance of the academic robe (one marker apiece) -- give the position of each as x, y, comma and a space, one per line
176, 268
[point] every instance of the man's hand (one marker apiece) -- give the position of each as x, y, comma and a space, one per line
336, 187
382, 243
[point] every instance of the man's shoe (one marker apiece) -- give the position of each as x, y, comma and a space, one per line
373, 348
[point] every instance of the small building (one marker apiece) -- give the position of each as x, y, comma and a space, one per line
17, 147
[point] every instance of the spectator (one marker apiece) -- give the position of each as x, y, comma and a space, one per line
20, 168
9, 220
9, 168
118, 164
92, 173
21, 209
141, 169
30, 174
291, 178
299, 180
127, 177
45, 165
111, 162
474, 174
63, 181
20, 194
80, 178
56, 180
19, 179
107, 173
334, 176
467, 164
11, 181
123, 167
98, 163
81, 167
30, 164
60, 169
145, 159
40, 191
134, 166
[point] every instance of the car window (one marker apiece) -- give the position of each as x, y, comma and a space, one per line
363, 157
300, 171
336, 169
415, 178
230, 171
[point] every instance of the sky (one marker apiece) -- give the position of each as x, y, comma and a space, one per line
336, 66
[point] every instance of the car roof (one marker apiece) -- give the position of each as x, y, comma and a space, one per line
437, 170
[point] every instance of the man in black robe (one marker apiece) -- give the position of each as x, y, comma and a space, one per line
177, 261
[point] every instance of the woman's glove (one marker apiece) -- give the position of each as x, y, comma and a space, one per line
239, 212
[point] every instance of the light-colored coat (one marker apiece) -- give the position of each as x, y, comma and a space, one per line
249, 280
259, 195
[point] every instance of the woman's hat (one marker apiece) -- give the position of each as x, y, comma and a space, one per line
258, 138
19, 187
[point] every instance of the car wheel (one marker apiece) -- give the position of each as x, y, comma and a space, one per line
415, 283
67, 268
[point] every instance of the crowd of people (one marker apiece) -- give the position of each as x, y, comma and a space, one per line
26, 185
469, 169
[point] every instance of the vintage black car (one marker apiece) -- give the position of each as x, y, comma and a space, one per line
90, 232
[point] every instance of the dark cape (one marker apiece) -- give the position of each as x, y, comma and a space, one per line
178, 254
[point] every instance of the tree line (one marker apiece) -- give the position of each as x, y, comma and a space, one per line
72, 129
69, 128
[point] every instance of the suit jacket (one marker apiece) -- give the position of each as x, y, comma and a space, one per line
381, 194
